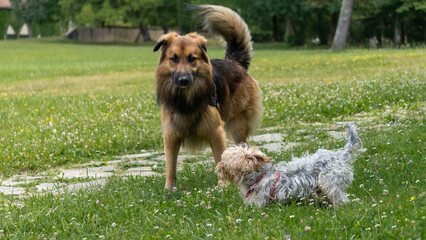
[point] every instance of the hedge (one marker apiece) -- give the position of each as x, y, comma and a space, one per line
4, 22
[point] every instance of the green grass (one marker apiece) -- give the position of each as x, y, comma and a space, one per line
65, 103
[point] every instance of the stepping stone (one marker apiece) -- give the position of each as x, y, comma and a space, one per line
12, 190
273, 129
92, 184
277, 147
269, 137
61, 188
290, 145
21, 179
143, 162
48, 186
139, 171
133, 156
96, 172
336, 134
272, 147
11, 183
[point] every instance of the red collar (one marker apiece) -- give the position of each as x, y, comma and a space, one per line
250, 191
272, 196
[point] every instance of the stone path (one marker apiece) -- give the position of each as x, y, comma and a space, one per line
96, 174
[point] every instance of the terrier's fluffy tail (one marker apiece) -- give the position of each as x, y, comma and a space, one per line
354, 144
222, 21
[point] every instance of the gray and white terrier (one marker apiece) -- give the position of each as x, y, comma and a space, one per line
326, 172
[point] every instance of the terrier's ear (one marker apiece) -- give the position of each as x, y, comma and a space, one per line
260, 157
220, 170
255, 153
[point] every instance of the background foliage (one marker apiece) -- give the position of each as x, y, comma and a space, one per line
295, 22
4, 22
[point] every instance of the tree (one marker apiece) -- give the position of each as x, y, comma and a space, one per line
141, 13
108, 16
69, 10
30, 11
342, 30
4, 22
16, 24
167, 14
283, 18
50, 25
415, 11
325, 21
86, 18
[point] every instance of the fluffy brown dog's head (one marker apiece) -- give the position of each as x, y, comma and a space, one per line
184, 74
182, 57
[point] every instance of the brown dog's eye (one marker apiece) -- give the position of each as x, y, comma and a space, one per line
191, 59
174, 59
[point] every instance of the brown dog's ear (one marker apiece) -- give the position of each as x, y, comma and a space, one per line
158, 45
164, 40
200, 40
203, 46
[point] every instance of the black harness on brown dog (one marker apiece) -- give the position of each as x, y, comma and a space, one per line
213, 100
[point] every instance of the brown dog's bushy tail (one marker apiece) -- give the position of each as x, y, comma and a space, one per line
222, 21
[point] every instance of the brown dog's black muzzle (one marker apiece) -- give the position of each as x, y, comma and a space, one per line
183, 79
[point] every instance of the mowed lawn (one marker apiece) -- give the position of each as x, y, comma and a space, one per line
64, 103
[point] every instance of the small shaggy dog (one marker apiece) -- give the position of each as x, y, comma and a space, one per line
201, 98
327, 172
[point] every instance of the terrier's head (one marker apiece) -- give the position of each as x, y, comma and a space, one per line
239, 160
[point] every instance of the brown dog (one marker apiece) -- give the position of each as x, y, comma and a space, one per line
198, 94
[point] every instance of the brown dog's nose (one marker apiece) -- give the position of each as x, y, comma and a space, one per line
183, 80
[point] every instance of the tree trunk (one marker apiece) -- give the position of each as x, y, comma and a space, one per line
404, 37
290, 34
144, 32
398, 31
342, 30
30, 30
289, 28
276, 29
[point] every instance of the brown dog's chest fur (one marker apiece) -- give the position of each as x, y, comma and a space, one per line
186, 112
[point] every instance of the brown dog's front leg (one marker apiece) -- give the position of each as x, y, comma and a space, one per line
217, 141
171, 148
